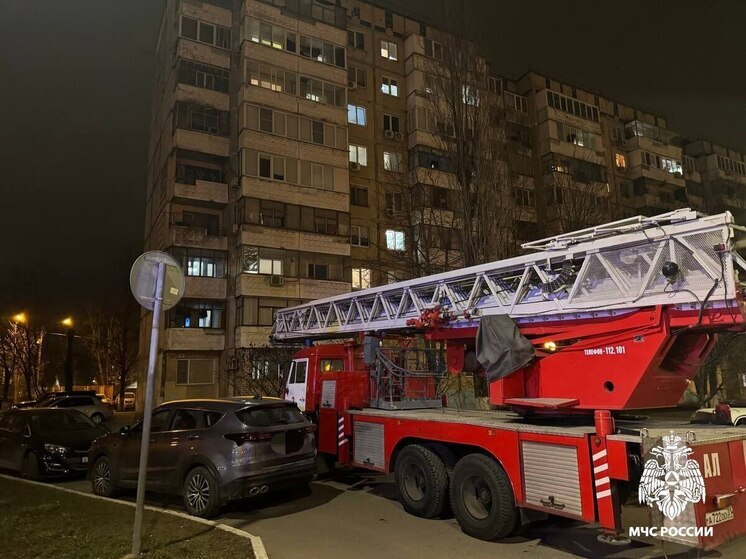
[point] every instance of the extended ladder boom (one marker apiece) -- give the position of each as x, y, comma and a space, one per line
678, 258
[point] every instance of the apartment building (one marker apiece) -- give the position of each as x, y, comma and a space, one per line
280, 133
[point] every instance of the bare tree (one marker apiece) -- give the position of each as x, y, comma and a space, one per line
259, 370
466, 115
22, 347
8, 361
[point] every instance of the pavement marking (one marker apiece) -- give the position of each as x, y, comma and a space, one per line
256, 542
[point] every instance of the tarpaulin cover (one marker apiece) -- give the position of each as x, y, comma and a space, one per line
501, 348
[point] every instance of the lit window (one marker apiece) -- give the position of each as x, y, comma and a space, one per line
356, 115
469, 95
359, 155
390, 87
620, 160
360, 278
394, 239
392, 161
389, 50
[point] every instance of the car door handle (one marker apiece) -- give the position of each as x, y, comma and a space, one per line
193, 437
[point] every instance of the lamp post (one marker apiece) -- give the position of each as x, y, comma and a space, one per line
68, 323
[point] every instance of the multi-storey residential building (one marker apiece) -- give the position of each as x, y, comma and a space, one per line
278, 131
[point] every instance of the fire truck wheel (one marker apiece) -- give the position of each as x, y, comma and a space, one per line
422, 481
482, 498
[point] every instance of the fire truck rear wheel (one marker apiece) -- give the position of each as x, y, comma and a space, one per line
482, 498
422, 480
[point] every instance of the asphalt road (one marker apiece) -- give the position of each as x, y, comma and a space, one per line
356, 516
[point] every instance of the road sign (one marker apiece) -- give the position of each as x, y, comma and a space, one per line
144, 275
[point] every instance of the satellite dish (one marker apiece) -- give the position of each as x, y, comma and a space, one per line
144, 276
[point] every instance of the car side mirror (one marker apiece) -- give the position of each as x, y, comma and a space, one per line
124, 430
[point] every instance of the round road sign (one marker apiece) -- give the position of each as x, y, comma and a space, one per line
144, 276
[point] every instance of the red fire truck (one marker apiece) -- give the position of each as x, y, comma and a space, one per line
570, 337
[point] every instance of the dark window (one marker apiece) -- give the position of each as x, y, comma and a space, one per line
189, 28
318, 271
206, 33
270, 416
159, 422
318, 132
190, 174
187, 420
265, 120
190, 313
359, 195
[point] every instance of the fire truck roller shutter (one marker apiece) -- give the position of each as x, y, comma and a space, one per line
501, 348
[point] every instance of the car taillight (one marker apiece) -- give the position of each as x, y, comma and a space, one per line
240, 438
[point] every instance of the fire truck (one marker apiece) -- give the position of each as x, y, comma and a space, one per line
571, 337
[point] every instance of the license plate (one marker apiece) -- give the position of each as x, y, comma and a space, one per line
719, 516
85, 459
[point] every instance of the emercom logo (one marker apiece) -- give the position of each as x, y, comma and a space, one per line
671, 479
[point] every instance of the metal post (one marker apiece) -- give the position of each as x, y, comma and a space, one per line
148, 411
69, 360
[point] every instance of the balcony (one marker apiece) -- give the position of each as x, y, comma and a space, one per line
194, 339
295, 240
205, 288
182, 235
254, 285
201, 191
651, 204
656, 175
252, 336
202, 142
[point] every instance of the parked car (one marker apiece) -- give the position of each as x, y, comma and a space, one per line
129, 401
106, 401
38, 442
48, 397
89, 405
211, 452
727, 413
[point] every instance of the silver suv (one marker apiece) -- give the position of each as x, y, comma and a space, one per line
210, 452
92, 406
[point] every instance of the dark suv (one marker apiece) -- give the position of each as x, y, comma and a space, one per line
211, 452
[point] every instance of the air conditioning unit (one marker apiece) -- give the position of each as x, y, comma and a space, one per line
389, 134
354, 165
391, 212
399, 136
351, 84
276, 281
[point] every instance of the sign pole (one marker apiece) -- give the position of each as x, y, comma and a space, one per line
148, 411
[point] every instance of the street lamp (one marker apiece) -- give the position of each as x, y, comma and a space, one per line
68, 323
20, 318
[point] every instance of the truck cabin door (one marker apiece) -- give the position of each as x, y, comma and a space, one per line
296, 387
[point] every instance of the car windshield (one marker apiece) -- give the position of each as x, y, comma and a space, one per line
62, 420
270, 416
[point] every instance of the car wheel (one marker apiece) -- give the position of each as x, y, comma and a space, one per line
31, 466
200, 493
482, 498
97, 418
102, 481
422, 480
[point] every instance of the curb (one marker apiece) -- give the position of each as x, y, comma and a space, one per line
256, 542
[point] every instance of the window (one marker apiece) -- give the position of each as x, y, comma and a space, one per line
194, 371
203, 75
433, 49
331, 365
252, 311
324, 221
620, 161
572, 106
394, 239
270, 77
356, 39
321, 51
392, 161
356, 115
158, 423
516, 102
394, 202
208, 33
389, 50
191, 313
391, 123
390, 86
270, 35
525, 197
356, 76
271, 214
469, 95
358, 196
199, 118
295, 127
322, 92
318, 271
263, 261
577, 136
360, 278
359, 235
204, 263
671, 165
495, 85
273, 416
440, 198
188, 420
210, 223
190, 174
359, 155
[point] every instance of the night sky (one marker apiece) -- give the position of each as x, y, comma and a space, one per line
75, 81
